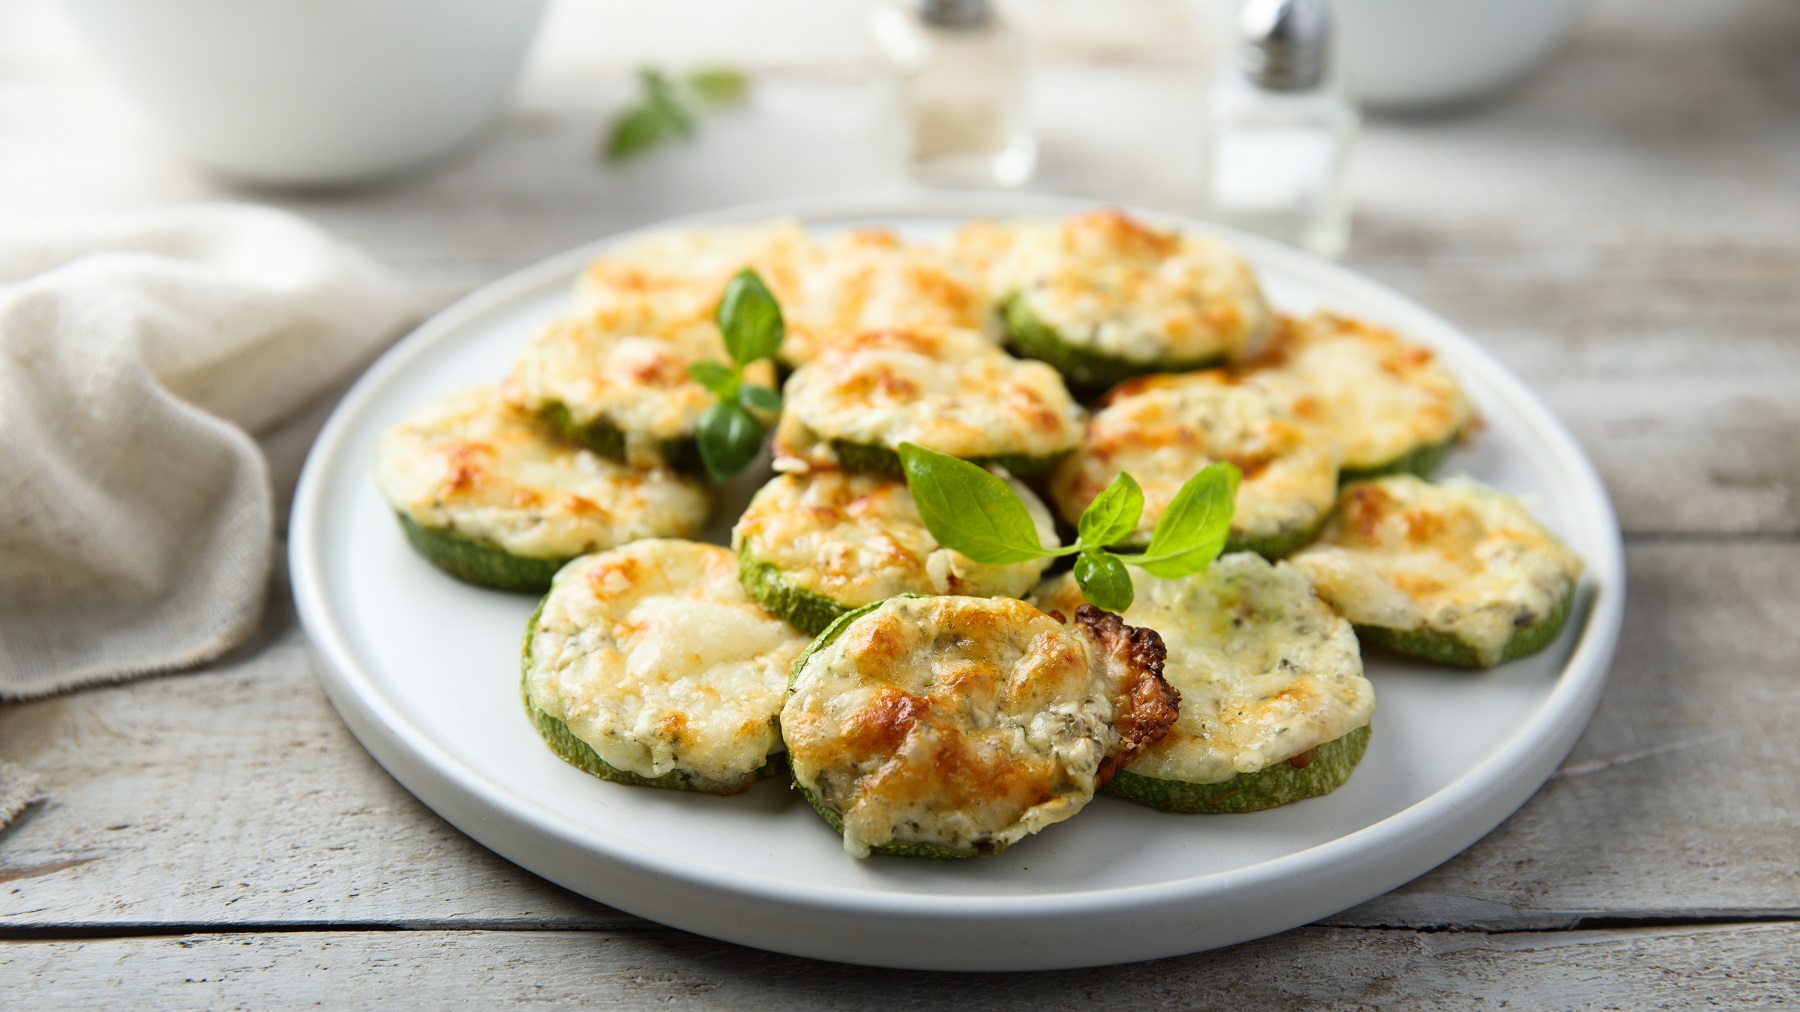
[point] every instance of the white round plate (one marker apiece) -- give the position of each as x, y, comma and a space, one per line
425, 671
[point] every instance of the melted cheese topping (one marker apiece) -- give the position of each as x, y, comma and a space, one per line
869, 279
1456, 559
1379, 396
1105, 282
963, 722
654, 656
949, 391
858, 538
1164, 429
477, 465
1265, 669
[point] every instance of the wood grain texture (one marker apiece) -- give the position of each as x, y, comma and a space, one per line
1312, 968
236, 797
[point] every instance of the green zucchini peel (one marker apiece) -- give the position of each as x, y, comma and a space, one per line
1271, 787
1447, 649
601, 436
883, 460
1421, 461
810, 612
1082, 367
480, 561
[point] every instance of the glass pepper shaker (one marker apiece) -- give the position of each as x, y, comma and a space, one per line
953, 76
1279, 130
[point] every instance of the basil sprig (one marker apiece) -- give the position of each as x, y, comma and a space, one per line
971, 511
671, 107
749, 318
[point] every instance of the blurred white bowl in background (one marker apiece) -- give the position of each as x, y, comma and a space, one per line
313, 92
1420, 53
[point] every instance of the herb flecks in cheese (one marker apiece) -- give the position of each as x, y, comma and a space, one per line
858, 538
966, 723
1380, 397
653, 655
475, 464
947, 390
1455, 559
1265, 669
1105, 282
1163, 429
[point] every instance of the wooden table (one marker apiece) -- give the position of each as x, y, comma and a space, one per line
1624, 232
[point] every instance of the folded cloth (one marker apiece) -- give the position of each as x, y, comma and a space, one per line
19, 790
136, 356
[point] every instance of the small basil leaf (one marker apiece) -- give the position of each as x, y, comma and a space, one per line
717, 377
969, 510
749, 318
1113, 514
729, 437
1192, 531
1104, 581
634, 131
718, 86
661, 95
759, 398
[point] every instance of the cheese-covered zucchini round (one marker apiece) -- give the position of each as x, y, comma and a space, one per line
813, 546
1104, 297
627, 396
1455, 573
1390, 404
946, 390
1274, 704
487, 494
649, 665
1164, 429
955, 726
871, 279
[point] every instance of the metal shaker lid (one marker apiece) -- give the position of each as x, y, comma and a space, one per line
1286, 44
954, 13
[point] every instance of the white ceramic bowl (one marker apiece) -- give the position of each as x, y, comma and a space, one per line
313, 92
1413, 54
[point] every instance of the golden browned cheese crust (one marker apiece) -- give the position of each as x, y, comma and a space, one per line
655, 657
1455, 558
871, 279
473, 463
949, 391
1108, 283
1164, 429
965, 723
1379, 396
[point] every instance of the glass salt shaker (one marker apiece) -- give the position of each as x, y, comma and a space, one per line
954, 81
1279, 130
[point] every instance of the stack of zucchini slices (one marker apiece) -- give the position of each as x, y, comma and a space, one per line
929, 704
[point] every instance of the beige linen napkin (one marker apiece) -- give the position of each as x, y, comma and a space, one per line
136, 356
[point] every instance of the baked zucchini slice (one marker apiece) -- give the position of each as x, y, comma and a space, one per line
489, 495
871, 279
649, 665
1454, 573
1274, 703
956, 726
625, 396
1390, 404
946, 390
813, 546
1104, 297
1163, 429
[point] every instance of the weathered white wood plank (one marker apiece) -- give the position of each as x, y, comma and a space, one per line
1314, 968
236, 796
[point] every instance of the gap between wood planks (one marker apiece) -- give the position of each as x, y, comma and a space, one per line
161, 929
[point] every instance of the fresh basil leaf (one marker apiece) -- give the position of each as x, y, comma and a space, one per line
661, 95
718, 86
1113, 514
1192, 531
749, 318
759, 398
634, 131
969, 510
1104, 581
717, 377
729, 437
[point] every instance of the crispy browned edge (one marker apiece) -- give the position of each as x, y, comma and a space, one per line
1144, 703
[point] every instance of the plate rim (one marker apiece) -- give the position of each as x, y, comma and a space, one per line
1520, 762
